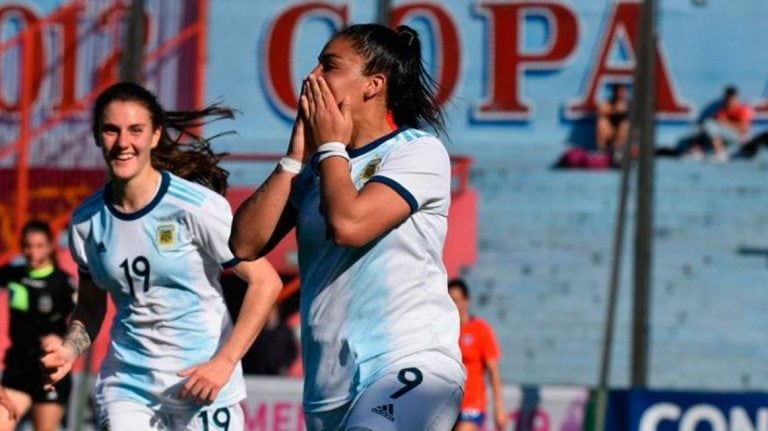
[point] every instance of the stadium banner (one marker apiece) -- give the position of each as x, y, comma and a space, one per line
513, 74
646, 410
274, 404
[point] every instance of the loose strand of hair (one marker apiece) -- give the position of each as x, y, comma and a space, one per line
188, 154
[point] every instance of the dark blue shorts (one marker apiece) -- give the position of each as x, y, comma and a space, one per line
477, 417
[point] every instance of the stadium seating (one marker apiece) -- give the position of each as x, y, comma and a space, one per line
551, 244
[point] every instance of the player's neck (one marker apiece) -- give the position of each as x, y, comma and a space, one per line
136, 193
40, 266
464, 318
368, 128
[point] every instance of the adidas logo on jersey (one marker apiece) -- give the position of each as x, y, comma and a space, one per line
101, 248
386, 410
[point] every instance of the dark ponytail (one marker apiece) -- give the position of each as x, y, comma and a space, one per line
397, 54
184, 153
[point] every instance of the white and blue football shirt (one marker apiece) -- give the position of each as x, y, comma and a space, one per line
363, 308
161, 266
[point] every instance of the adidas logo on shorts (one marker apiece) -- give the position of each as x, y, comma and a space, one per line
386, 410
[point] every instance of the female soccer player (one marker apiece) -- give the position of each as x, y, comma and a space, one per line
157, 243
379, 331
41, 298
480, 353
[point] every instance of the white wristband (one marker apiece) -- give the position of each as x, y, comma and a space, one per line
332, 146
290, 165
330, 149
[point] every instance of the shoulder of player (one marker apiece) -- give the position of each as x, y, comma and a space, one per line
192, 193
410, 135
88, 207
481, 324
60, 275
418, 141
12, 272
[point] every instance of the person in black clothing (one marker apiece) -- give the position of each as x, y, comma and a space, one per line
274, 350
41, 298
612, 128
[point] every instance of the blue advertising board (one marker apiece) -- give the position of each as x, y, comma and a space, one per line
645, 410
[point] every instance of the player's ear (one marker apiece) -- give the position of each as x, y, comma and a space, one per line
97, 136
156, 136
376, 86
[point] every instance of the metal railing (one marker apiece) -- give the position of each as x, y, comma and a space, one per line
27, 44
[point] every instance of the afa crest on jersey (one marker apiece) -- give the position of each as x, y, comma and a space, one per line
370, 169
166, 236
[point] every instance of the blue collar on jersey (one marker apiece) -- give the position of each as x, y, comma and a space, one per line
165, 181
373, 144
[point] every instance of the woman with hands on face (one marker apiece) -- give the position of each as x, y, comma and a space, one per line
368, 192
155, 238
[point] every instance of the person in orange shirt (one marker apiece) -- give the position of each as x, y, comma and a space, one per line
729, 127
480, 353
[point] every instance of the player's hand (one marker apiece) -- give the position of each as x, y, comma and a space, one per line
501, 419
13, 414
57, 361
49, 339
204, 381
328, 119
301, 148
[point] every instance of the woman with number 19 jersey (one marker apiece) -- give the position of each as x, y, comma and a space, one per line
161, 266
154, 239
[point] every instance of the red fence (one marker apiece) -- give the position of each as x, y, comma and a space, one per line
56, 65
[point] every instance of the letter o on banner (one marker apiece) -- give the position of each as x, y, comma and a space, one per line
703, 413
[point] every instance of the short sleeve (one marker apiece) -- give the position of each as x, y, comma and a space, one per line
76, 240
212, 226
420, 172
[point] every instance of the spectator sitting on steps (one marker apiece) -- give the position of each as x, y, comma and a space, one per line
729, 126
612, 127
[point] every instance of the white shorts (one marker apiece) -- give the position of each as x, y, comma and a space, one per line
411, 394
133, 416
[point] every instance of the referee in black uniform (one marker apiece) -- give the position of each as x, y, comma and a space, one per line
41, 298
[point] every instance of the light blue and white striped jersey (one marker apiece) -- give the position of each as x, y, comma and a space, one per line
363, 308
161, 266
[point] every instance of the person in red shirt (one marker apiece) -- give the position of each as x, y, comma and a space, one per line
480, 353
730, 125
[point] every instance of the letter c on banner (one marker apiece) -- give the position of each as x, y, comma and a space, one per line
657, 414
279, 50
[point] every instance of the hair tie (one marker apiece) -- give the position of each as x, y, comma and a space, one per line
407, 34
